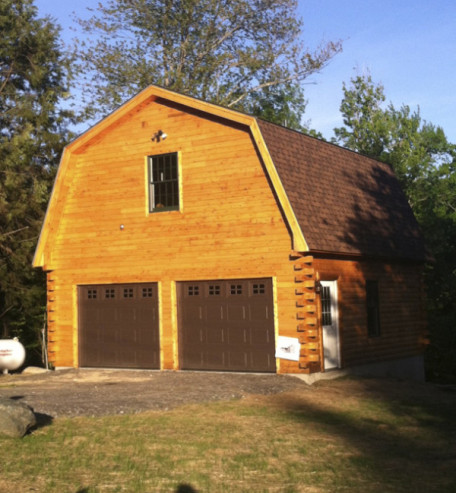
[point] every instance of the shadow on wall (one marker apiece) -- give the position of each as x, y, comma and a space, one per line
379, 224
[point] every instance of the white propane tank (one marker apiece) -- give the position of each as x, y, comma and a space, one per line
12, 354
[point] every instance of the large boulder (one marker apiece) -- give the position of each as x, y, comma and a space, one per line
16, 418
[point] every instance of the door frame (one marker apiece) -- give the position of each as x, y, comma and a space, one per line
332, 284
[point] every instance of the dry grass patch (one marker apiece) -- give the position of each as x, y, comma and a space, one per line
344, 436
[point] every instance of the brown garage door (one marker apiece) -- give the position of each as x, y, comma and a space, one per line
227, 325
118, 326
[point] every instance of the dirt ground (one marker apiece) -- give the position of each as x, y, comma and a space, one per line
101, 392
74, 392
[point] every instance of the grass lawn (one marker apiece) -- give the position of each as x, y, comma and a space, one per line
350, 435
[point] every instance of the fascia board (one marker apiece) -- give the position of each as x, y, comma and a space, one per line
299, 242
39, 259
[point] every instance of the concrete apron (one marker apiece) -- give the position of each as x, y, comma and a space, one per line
405, 369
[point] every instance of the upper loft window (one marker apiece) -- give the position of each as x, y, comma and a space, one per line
163, 183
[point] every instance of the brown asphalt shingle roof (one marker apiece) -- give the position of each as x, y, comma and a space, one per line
344, 202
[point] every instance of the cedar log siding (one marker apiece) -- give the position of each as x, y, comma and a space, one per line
402, 318
229, 225
255, 201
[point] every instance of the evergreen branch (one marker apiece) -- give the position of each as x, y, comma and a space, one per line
7, 77
10, 233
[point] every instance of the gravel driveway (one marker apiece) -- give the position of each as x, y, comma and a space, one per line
100, 392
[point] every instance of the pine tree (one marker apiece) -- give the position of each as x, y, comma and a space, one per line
32, 134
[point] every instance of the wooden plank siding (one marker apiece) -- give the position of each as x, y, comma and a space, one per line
255, 201
229, 225
402, 320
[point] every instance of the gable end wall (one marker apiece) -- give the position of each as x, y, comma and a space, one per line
229, 226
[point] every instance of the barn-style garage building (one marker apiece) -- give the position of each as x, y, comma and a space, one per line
183, 235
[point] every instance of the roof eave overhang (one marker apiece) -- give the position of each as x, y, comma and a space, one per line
359, 257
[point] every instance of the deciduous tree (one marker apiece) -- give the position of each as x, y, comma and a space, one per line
366, 125
243, 54
425, 163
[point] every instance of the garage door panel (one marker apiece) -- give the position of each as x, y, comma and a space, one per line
126, 338
259, 312
238, 360
235, 320
146, 315
193, 312
90, 313
194, 359
235, 312
144, 337
214, 311
128, 357
118, 326
215, 360
260, 336
215, 335
126, 315
262, 360
195, 335
237, 336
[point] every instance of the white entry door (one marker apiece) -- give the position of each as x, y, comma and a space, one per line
329, 320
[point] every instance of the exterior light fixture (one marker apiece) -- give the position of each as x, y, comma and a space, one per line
158, 136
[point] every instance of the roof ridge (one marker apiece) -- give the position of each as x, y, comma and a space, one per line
322, 141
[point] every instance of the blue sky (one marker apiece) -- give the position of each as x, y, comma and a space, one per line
408, 46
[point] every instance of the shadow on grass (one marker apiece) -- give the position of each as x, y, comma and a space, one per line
42, 420
182, 488
185, 488
402, 438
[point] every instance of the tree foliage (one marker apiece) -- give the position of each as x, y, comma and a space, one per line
361, 108
243, 54
425, 163
32, 133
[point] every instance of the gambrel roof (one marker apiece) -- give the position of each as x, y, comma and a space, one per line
335, 201
344, 202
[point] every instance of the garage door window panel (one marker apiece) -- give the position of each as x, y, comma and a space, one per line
214, 290
147, 292
258, 289
236, 289
110, 294
92, 294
